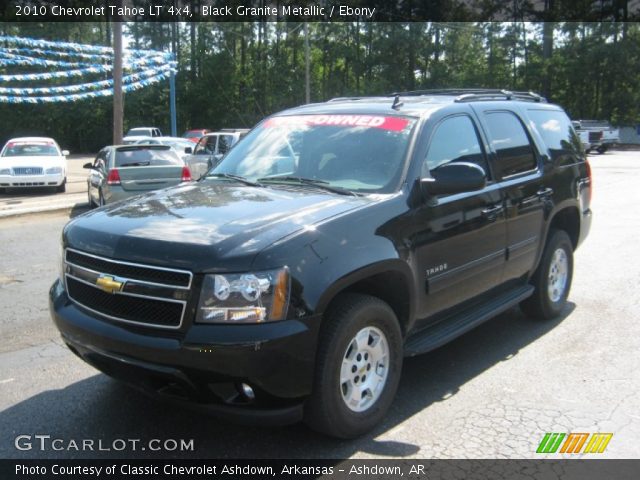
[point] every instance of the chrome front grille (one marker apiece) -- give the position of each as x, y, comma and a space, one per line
127, 292
28, 171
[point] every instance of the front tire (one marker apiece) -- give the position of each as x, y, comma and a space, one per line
89, 199
552, 279
358, 367
62, 187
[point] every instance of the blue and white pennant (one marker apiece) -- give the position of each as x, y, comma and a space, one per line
146, 67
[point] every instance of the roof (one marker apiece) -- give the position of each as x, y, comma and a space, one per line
226, 132
32, 139
414, 103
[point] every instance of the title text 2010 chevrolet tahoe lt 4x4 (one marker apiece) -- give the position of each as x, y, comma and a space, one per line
332, 241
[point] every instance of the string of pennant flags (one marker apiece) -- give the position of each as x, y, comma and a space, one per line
65, 60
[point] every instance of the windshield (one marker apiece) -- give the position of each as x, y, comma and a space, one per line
196, 134
362, 153
30, 149
138, 132
142, 156
179, 145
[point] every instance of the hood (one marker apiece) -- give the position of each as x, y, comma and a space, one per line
31, 161
203, 227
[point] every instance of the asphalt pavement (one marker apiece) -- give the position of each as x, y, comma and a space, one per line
492, 393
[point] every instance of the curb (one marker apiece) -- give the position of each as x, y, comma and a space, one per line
27, 209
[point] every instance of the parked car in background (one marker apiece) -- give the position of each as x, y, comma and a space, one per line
121, 171
212, 147
195, 134
141, 133
33, 162
596, 135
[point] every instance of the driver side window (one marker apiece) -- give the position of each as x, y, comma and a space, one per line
455, 140
100, 161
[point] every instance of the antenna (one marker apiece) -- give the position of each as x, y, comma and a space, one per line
396, 102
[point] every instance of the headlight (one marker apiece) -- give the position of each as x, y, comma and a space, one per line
61, 262
244, 297
53, 171
5, 171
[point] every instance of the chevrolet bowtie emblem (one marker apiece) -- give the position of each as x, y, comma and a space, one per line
109, 284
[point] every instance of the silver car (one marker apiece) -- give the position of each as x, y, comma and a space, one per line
212, 147
121, 171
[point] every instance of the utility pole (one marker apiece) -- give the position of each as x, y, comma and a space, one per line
172, 103
307, 62
118, 101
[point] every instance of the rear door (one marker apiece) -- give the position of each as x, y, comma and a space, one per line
516, 162
98, 174
225, 142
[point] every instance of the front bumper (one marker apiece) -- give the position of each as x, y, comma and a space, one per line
204, 365
26, 181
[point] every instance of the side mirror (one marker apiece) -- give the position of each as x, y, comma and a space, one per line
65, 153
454, 178
87, 165
188, 150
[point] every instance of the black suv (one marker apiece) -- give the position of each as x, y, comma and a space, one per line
332, 241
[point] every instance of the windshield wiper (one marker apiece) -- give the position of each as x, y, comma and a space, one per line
322, 184
136, 164
237, 178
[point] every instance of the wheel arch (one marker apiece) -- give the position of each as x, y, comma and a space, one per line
566, 218
390, 281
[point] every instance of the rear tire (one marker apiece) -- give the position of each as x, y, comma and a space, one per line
601, 150
552, 279
358, 367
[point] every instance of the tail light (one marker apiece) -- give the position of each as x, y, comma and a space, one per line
114, 177
590, 180
186, 174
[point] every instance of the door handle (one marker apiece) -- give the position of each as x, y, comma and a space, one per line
491, 213
544, 193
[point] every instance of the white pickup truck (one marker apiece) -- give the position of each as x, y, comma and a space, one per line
596, 135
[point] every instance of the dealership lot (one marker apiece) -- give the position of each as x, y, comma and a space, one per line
493, 393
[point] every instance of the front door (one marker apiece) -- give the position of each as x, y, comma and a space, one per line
461, 238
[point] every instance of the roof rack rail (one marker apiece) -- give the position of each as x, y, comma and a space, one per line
343, 99
475, 94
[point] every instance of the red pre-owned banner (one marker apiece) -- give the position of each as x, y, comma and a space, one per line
395, 124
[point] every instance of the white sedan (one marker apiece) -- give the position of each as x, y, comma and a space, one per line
33, 162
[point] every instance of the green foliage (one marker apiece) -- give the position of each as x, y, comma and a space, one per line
234, 74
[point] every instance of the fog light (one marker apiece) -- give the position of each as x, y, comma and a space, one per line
247, 391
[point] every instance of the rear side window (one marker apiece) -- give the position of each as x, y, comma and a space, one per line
455, 140
557, 132
206, 146
511, 143
224, 143
145, 156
